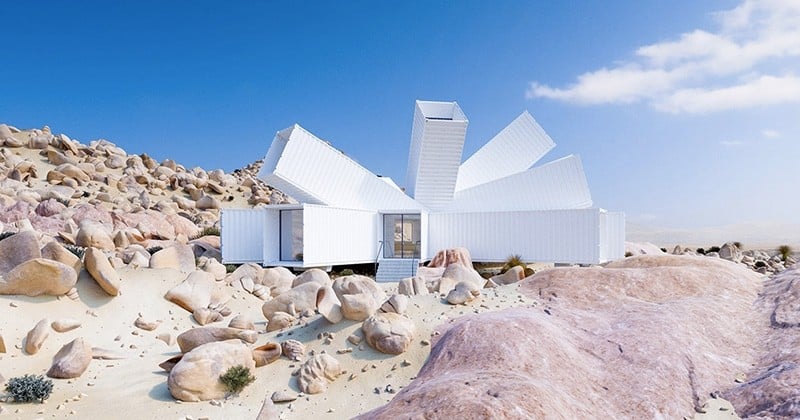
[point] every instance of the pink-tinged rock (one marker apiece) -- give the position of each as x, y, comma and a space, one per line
56, 252
179, 257
316, 372
314, 275
195, 337
199, 290
182, 225
646, 337
39, 276
99, 267
196, 376
389, 332
49, 207
72, 360
95, 235
445, 257
18, 248
94, 213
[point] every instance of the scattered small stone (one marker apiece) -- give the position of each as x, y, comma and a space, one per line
282, 397
344, 351
425, 342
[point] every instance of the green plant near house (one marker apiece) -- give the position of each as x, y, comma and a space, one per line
785, 251
230, 268
208, 231
29, 388
511, 261
236, 379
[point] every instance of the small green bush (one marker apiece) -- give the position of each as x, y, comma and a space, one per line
4, 235
511, 261
738, 245
208, 231
346, 272
236, 379
785, 251
230, 268
77, 250
628, 254
29, 388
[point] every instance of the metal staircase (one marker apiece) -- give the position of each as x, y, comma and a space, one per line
396, 269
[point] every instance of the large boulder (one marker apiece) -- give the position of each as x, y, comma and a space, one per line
513, 275
277, 279
196, 337
196, 376
198, 290
36, 336
645, 337
389, 332
412, 286
92, 234
56, 252
294, 301
102, 272
179, 257
316, 372
314, 275
360, 296
18, 248
730, 252
459, 273
446, 257
72, 360
39, 276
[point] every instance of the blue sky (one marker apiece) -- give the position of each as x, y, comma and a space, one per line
683, 116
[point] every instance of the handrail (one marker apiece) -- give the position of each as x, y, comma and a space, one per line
380, 248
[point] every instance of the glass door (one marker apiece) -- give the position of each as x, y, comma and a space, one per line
401, 235
291, 233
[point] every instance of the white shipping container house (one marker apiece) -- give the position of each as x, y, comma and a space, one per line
496, 203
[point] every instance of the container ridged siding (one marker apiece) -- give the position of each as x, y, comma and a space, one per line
571, 236
312, 171
612, 225
435, 154
242, 235
514, 149
339, 236
560, 184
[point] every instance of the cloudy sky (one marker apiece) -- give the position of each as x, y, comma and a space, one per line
684, 116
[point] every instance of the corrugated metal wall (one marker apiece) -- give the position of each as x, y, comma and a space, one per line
560, 184
242, 235
559, 236
338, 236
514, 149
435, 152
312, 171
612, 225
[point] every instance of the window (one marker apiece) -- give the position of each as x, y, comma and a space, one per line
401, 235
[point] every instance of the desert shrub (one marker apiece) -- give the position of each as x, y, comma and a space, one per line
784, 251
29, 388
346, 272
701, 251
208, 231
230, 268
529, 272
511, 261
236, 379
713, 249
628, 254
759, 264
153, 249
77, 250
738, 245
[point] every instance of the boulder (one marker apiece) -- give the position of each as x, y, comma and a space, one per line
356, 284
328, 305
730, 252
388, 333
412, 286
277, 279
215, 268
195, 337
178, 257
242, 322
295, 301
314, 275
358, 307
396, 303
639, 338
102, 272
72, 360
642, 248
279, 321
205, 316
198, 290
39, 276
460, 273
316, 372
49, 208
464, 292
266, 354
56, 252
196, 376
36, 336
446, 257
293, 349
207, 202
95, 235
513, 275
18, 248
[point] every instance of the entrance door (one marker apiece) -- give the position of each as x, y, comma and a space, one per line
291, 233
401, 235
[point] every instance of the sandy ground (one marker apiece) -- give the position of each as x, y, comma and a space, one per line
137, 387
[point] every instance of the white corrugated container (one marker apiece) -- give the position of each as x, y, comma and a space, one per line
560, 184
437, 141
558, 236
514, 149
333, 236
612, 228
242, 232
312, 171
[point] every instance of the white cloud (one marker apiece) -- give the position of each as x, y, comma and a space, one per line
771, 134
703, 71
